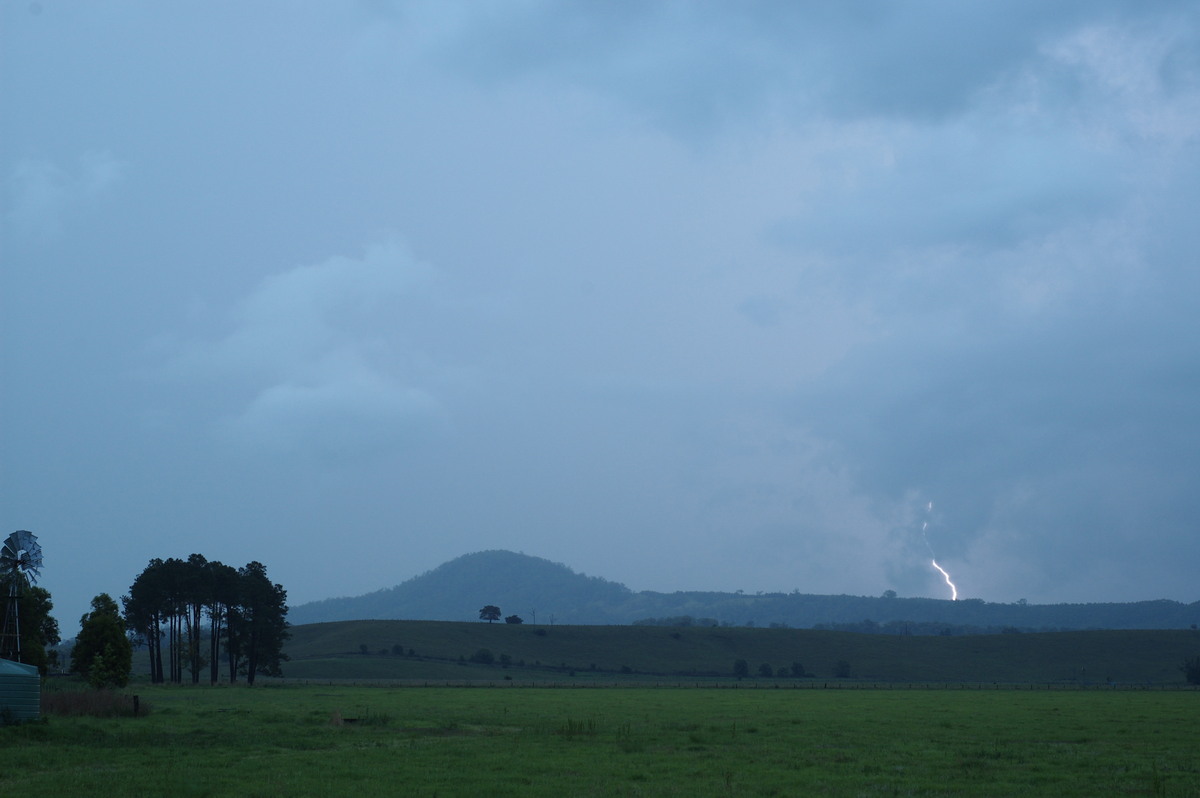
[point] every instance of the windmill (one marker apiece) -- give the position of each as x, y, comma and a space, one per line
20, 561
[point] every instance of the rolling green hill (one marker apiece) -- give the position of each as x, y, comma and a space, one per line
540, 590
444, 650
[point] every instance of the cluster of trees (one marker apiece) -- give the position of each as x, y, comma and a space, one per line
677, 620
741, 669
491, 613
245, 612
924, 628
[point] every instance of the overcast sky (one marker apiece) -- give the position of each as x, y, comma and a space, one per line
687, 295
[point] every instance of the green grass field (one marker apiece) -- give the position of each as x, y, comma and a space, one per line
543, 741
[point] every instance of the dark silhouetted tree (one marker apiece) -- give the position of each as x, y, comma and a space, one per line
146, 612
38, 628
741, 668
102, 652
489, 613
194, 590
513, 619
766, 670
257, 625
220, 594
1191, 669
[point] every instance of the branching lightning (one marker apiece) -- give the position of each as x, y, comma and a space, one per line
933, 557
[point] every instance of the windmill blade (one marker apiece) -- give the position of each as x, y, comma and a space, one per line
24, 539
13, 543
21, 552
32, 558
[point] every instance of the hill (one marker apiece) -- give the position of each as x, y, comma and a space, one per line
456, 590
543, 591
446, 650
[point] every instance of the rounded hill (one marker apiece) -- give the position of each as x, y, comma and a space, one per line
456, 590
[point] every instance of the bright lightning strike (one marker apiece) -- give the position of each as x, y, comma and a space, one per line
946, 576
933, 559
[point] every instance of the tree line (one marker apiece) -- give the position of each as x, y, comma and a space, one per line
246, 614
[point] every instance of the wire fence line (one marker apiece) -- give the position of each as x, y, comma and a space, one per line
734, 685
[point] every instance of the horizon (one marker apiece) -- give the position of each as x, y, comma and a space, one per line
794, 591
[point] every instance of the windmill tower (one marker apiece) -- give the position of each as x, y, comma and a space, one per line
20, 561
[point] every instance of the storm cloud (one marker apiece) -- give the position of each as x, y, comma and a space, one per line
685, 295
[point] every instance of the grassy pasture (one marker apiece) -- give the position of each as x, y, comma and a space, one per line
637, 741
333, 650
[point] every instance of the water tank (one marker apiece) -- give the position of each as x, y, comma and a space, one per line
20, 691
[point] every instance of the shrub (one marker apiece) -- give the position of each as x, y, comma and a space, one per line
91, 703
110, 668
483, 656
1191, 669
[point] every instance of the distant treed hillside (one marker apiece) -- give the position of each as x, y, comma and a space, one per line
456, 590
546, 592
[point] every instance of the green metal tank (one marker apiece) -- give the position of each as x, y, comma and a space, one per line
20, 691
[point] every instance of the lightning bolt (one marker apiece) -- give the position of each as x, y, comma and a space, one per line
933, 558
946, 576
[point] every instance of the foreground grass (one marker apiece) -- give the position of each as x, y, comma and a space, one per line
300, 741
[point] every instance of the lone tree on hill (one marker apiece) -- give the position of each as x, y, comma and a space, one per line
489, 613
513, 619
